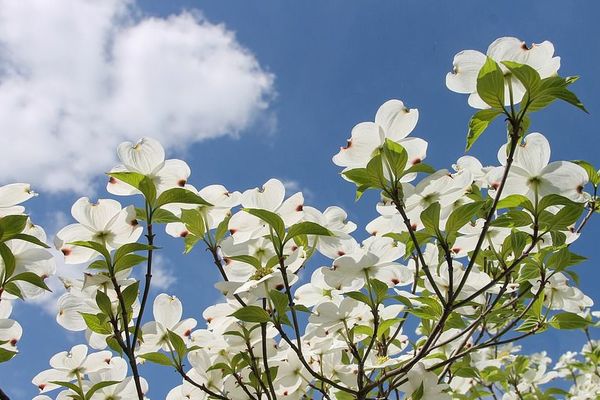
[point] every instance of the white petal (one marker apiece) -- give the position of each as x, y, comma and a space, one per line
15, 193
466, 66
97, 215
173, 173
167, 310
268, 197
365, 139
396, 120
144, 157
74, 254
291, 211
118, 187
564, 178
533, 154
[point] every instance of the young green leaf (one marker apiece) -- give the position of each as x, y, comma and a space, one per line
252, 314
271, 218
479, 123
180, 195
490, 84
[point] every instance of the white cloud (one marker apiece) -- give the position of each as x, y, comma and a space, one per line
77, 77
292, 186
162, 275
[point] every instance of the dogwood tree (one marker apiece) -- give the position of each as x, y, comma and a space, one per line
459, 266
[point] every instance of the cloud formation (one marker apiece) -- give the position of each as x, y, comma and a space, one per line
77, 77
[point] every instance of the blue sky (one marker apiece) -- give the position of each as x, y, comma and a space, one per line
334, 63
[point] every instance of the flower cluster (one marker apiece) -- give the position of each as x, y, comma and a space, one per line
458, 265
24, 262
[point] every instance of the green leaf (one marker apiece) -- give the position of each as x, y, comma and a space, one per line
513, 219
194, 222
563, 258
490, 84
396, 157
180, 195
141, 182
307, 228
190, 242
462, 215
430, 218
128, 261
252, 314
157, 358
103, 302
420, 167
551, 89
280, 301
71, 386
9, 262
96, 323
94, 246
30, 239
270, 218
418, 394
380, 289
515, 200
222, 229
360, 176
479, 123
359, 296
98, 386
554, 200
528, 76
6, 355
343, 396
13, 289
162, 216
130, 294
32, 278
12, 225
563, 219
385, 325
178, 344
130, 248
255, 262
375, 171
568, 320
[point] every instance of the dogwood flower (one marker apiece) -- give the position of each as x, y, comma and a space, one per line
244, 226
104, 222
147, 157
467, 63
10, 330
424, 382
392, 121
532, 174
221, 200
12, 195
71, 365
167, 311
559, 295
30, 257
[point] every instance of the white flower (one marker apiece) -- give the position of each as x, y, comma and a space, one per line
533, 176
167, 312
147, 157
12, 195
425, 382
69, 365
244, 226
104, 222
467, 63
393, 121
